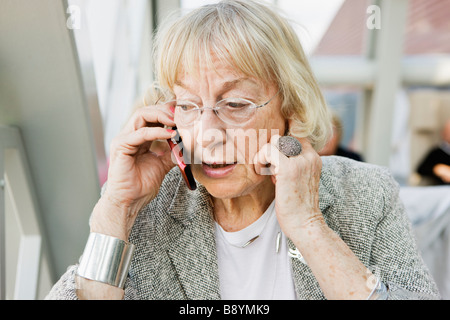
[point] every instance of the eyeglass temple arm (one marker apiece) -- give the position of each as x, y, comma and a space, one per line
265, 104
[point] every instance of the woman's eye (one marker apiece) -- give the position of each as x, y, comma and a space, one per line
236, 105
185, 106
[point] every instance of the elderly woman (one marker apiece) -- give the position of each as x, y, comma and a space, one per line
262, 223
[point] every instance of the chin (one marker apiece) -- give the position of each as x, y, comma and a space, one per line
223, 191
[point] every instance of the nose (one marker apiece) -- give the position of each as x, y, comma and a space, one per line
209, 129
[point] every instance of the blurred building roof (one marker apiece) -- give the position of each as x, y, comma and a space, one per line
427, 30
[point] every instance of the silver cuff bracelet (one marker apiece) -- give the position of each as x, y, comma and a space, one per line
106, 259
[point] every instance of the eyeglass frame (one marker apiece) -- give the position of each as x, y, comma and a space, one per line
216, 109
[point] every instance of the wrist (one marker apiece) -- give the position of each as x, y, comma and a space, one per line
110, 219
94, 290
310, 229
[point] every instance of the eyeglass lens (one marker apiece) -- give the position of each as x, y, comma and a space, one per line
233, 111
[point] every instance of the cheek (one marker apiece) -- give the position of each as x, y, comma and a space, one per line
270, 123
267, 123
246, 143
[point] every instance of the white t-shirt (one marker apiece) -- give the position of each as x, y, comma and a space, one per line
257, 271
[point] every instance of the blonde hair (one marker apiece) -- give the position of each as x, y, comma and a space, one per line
255, 40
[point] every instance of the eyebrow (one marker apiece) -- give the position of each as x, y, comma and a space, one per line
226, 85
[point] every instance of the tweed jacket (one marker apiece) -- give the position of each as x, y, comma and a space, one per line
175, 256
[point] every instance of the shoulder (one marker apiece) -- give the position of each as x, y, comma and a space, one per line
358, 188
341, 172
363, 195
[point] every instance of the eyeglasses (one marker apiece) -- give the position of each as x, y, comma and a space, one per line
233, 111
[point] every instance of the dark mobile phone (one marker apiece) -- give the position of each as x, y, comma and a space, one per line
176, 145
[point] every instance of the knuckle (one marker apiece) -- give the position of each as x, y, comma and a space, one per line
145, 109
143, 132
312, 156
137, 114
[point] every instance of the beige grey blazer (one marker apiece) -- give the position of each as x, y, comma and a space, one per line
175, 255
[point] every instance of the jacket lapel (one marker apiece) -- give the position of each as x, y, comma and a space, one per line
192, 249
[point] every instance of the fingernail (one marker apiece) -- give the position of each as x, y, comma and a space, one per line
173, 132
172, 109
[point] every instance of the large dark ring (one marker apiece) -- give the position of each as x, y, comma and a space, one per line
289, 146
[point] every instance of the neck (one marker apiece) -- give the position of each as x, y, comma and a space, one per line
234, 214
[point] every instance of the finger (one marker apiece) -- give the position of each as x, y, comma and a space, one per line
306, 145
274, 140
306, 149
267, 160
130, 143
158, 115
304, 141
309, 154
308, 160
279, 161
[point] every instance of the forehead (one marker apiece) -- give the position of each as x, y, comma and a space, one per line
216, 72
222, 83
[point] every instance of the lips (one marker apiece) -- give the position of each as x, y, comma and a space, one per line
218, 165
218, 170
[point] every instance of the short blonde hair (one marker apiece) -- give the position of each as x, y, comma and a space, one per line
255, 40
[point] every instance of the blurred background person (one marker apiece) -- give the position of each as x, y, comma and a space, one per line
436, 164
334, 147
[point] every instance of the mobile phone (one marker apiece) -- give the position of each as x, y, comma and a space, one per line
176, 145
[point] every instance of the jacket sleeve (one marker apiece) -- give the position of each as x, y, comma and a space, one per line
395, 258
65, 288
